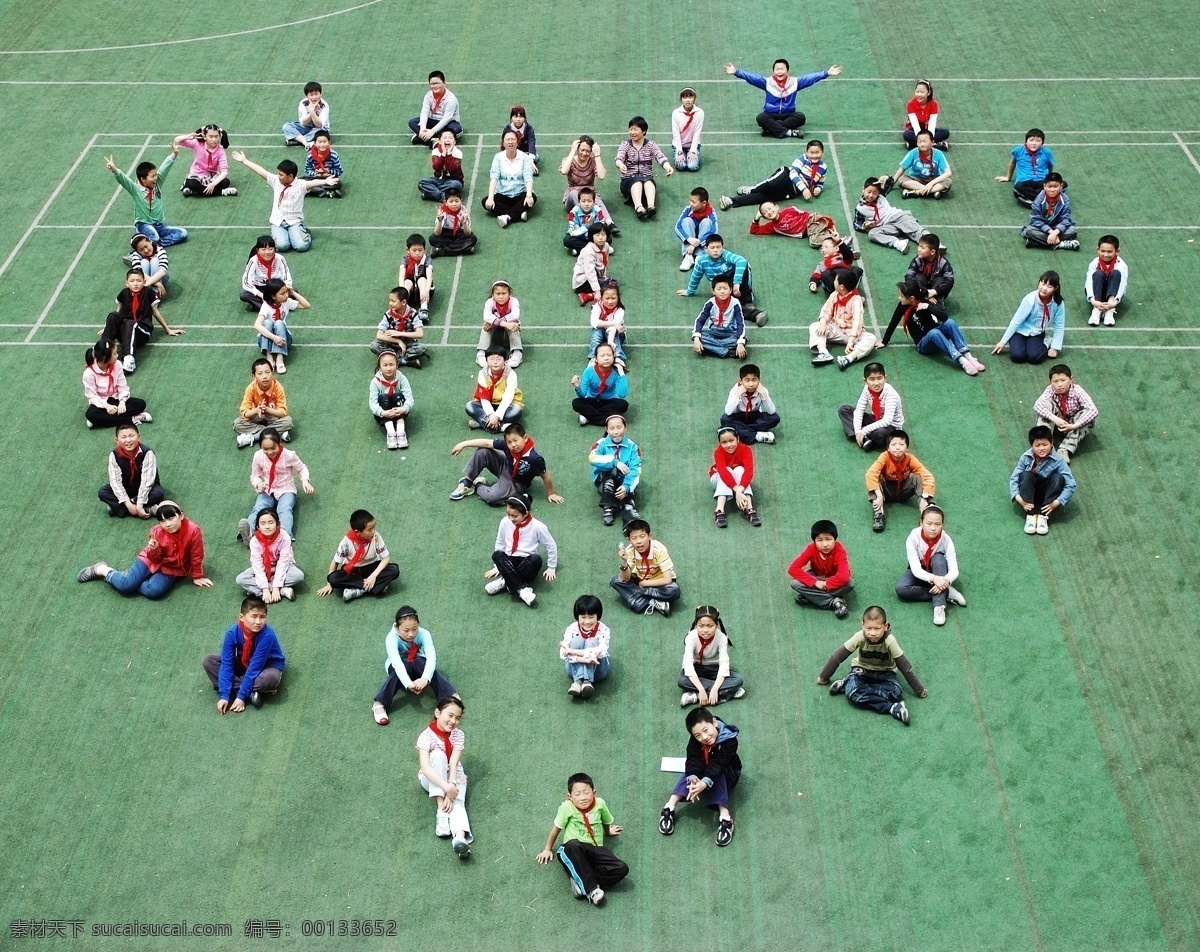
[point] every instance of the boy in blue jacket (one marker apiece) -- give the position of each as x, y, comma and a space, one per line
1050, 223
1041, 481
250, 664
717, 261
712, 768
616, 470
696, 222
779, 118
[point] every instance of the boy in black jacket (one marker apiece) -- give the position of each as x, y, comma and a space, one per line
712, 769
930, 270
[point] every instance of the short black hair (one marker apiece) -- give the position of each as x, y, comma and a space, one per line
823, 526
251, 602
783, 61
634, 525
1061, 369
144, 169
874, 367
640, 123
846, 278
588, 605
1035, 132
701, 193
876, 611
579, 778
872, 182
312, 87
414, 239
713, 239
816, 142
747, 369
902, 435
1109, 240
322, 132
930, 240
260, 362
287, 167
436, 74
722, 279
1053, 177
360, 519
1040, 432
699, 715
400, 292
587, 190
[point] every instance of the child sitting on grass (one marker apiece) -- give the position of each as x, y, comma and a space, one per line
584, 647
749, 408
922, 116
497, 402
175, 550
106, 392
687, 122
580, 218
263, 264
1067, 409
584, 821
717, 261
884, 224
209, 174
1041, 482
872, 681
439, 749
501, 325
616, 471
645, 577
133, 487
250, 665
836, 255
361, 563
924, 171
132, 323
312, 114
411, 664
931, 271
390, 398
274, 472
416, 274
591, 269
720, 329
264, 405
1039, 311
841, 321
932, 566
401, 330
932, 330
274, 338
147, 198
730, 476
696, 222
287, 203
512, 459
323, 163
608, 323
273, 573
515, 560
821, 572
707, 677
790, 221
1106, 282
446, 160
518, 122
897, 476
452, 231
877, 414
1050, 222
151, 258
1031, 162
601, 390
711, 769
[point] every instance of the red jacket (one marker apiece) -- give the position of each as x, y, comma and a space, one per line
180, 555
834, 568
724, 462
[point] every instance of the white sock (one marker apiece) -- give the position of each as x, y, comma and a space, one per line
389, 427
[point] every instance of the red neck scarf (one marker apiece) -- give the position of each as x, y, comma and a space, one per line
930, 545
267, 266
502, 311
274, 462
1106, 268
520, 455
927, 266
719, 313
813, 171
437, 100
135, 301
603, 269
247, 645
134, 460
606, 312
400, 317
268, 554
1052, 204
360, 550
687, 124
449, 216
277, 310
585, 634
749, 398
706, 751
587, 823
517, 527
410, 265
108, 377
874, 206
1062, 403
319, 159
602, 374
411, 655
149, 194
443, 736
261, 397
388, 385
844, 301
908, 313
1045, 303
876, 404
704, 646
701, 213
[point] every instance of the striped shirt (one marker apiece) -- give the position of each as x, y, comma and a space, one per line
893, 412
655, 564
1077, 400
256, 274
377, 550
288, 204
639, 162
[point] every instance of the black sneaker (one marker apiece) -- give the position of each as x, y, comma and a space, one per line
256, 699
666, 821
900, 712
609, 516
725, 832
878, 521
840, 608
838, 686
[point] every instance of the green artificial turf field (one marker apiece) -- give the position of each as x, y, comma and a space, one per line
1044, 796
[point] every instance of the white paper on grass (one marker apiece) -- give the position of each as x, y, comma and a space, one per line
672, 765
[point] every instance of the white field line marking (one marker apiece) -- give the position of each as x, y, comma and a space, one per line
1187, 152
118, 191
863, 284
458, 263
194, 39
686, 81
45, 208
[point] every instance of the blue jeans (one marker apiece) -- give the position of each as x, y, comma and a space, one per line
717, 795
946, 339
690, 228
138, 578
162, 233
285, 505
293, 129
877, 690
691, 163
580, 671
475, 412
600, 336
719, 341
291, 236
279, 328
414, 126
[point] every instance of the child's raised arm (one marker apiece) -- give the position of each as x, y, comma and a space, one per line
252, 166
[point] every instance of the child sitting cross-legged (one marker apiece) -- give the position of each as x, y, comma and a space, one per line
601, 390
821, 573
251, 661
273, 573
1067, 409
361, 563
706, 677
720, 329
133, 487
452, 232
401, 330
616, 471
749, 408
645, 577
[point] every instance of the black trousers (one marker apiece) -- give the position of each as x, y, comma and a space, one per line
591, 866
518, 572
774, 124
128, 332
109, 498
340, 578
100, 418
776, 187
1040, 490
598, 411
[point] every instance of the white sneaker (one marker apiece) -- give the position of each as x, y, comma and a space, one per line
288, 592
527, 596
503, 220
939, 615
391, 441
524, 216
286, 436
596, 896
1031, 523
473, 424
688, 698
350, 594
402, 441
140, 418
1043, 525
441, 826
244, 440
726, 202
1094, 320
229, 192
462, 847
688, 263
1109, 319
764, 436
902, 246
129, 364
515, 360
480, 359
956, 597
583, 421
495, 586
